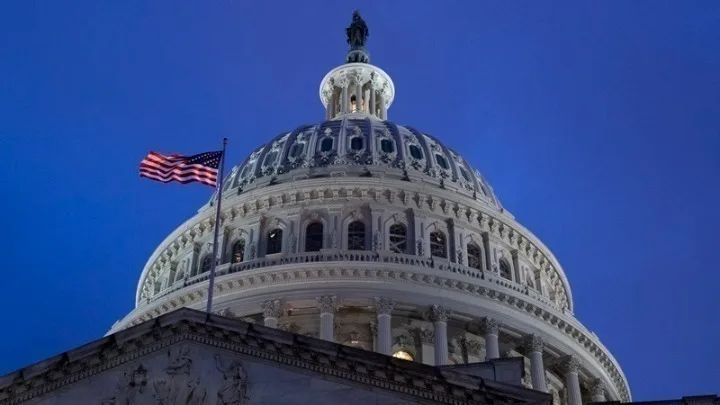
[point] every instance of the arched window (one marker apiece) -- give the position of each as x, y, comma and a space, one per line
206, 264
505, 269
441, 161
402, 354
474, 256
297, 149
314, 237
238, 251
356, 143
326, 145
438, 244
398, 238
274, 241
356, 236
416, 152
387, 146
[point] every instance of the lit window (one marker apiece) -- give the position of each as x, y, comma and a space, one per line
387, 146
438, 244
505, 269
398, 238
416, 152
441, 161
356, 143
274, 241
326, 145
401, 354
314, 237
238, 251
356, 236
474, 256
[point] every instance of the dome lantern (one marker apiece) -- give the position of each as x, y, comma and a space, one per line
357, 88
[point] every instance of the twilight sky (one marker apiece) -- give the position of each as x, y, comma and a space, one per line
597, 123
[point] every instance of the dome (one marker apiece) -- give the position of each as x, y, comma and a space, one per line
378, 236
358, 146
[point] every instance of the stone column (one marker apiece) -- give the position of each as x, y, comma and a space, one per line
272, 310
439, 317
384, 308
570, 366
344, 97
366, 100
358, 93
372, 99
327, 305
533, 346
490, 329
597, 390
427, 342
381, 101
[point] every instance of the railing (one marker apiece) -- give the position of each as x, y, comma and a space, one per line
326, 256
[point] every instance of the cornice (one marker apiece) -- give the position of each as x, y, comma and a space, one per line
421, 272
472, 213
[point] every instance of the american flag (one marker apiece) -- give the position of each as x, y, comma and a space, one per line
202, 167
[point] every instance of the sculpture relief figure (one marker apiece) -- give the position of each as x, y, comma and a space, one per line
233, 390
129, 385
357, 32
184, 390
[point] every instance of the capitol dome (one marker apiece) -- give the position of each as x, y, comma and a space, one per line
376, 235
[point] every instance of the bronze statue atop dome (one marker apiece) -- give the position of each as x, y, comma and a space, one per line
357, 32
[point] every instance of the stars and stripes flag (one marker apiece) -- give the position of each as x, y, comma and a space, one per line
202, 167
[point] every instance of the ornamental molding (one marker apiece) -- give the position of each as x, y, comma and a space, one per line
251, 209
533, 343
479, 284
438, 313
384, 306
328, 304
489, 326
272, 308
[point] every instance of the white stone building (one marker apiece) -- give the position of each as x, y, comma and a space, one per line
377, 236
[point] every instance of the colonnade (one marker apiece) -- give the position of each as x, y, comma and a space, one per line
435, 341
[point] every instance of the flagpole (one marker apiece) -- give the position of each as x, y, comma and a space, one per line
218, 202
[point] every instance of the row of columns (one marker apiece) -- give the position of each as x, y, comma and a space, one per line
436, 340
365, 100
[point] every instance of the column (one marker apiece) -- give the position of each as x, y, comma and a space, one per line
570, 366
533, 346
490, 329
272, 310
384, 308
366, 100
597, 390
372, 99
427, 342
345, 97
381, 101
327, 305
439, 317
358, 94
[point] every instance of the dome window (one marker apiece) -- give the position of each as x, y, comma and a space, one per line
387, 146
398, 238
326, 145
274, 241
206, 264
238, 251
505, 270
441, 161
402, 354
314, 237
474, 256
464, 173
270, 159
356, 143
356, 236
246, 170
416, 152
438, 244
529, 280
297, 149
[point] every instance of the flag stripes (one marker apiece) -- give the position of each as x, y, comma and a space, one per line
202, 168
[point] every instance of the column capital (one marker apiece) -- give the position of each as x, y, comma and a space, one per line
569, 364
384, 306
328, 304
272, 308
597, 387
426, 336
439, 313
533, 343
489, 325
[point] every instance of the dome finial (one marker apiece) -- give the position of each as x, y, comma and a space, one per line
357, 34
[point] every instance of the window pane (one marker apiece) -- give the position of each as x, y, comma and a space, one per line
356, 143
474, 256
206, 264
505, 270
438, 244
297, 149
416, 152
398, 238
356, 236
441, 161
238, 251
314, 237
387, 146
274, 242
326, 145
464, 173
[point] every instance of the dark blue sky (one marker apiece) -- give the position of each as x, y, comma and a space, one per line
597, 123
